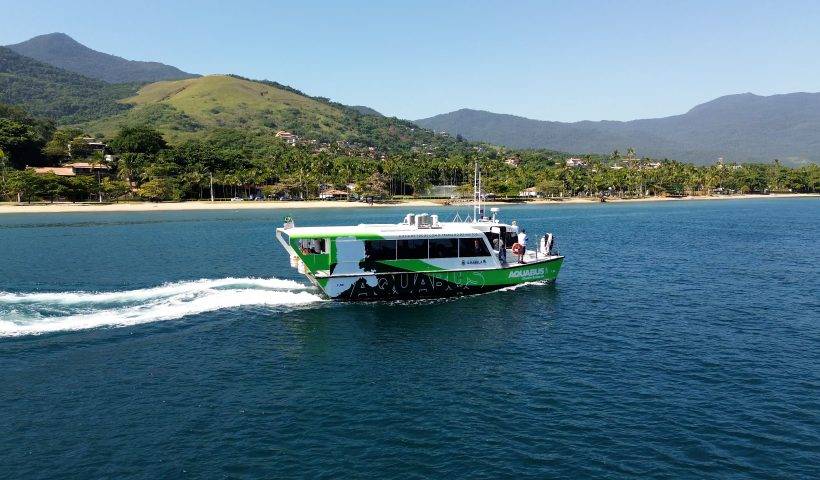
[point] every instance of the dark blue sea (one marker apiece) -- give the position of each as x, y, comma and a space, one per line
682, 340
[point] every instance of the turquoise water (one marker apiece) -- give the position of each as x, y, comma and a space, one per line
682, 340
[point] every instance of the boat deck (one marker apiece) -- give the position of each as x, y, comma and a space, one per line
532, 256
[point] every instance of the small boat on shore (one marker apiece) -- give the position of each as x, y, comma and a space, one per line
420, 257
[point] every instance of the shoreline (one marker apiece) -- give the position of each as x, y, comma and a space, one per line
6, 207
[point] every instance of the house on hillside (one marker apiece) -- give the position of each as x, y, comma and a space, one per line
575, 163
513, 161
287, 137
59, 171
85, 168
93, 144
76, 168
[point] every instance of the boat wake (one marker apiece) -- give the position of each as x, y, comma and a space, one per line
38, 313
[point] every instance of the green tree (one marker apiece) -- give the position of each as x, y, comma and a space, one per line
376, 185
79, 149
5, 171
114, 189
24, 184
79, 188
160, 189
56, 149
138, 139
550, 187
21, 142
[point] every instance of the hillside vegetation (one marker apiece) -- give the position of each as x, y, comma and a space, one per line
190, 108
57, 94
60, 50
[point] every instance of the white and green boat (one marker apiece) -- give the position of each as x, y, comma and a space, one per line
420, 257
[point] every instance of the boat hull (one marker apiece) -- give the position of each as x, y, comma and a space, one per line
408, 285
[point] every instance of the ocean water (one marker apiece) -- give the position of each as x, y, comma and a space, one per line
682, 340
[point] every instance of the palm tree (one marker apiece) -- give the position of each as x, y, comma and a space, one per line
98, 158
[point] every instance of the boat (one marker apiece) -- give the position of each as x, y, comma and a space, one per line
419, 257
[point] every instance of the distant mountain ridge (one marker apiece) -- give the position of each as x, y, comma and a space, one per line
741, 128
62, 51
57, 94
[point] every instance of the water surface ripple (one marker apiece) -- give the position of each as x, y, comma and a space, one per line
682, 340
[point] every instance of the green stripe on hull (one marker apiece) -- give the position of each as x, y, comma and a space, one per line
504, 276
415, 284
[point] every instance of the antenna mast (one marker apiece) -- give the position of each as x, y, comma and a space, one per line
477, 214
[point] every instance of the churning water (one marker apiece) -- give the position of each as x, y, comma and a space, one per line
33, 313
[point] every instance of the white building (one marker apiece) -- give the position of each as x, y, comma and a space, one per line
575, 163
531, 192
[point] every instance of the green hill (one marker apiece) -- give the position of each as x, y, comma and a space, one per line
57, 94
186, 108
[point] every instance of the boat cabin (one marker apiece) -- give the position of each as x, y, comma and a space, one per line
420, 243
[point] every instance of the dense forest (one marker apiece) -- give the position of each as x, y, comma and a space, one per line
237, 163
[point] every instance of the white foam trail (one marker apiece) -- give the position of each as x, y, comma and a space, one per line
512, 288
165, 290
167, 302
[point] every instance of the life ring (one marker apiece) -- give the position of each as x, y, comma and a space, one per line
518, 249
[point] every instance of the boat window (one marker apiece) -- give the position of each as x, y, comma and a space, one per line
380, 249
443, 247
415, 248
472, 247
512, 238
312, 246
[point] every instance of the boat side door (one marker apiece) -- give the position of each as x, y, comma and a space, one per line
498, 242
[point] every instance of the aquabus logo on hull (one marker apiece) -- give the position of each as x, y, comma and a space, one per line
529, 273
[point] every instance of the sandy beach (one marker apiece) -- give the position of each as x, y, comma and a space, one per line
60, 207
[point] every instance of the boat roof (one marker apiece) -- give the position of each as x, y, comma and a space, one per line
386, 231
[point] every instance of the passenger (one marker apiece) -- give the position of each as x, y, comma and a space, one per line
522, 240
498, 245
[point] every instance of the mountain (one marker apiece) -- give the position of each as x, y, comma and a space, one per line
182, 109
57, 94
740, 128
60, 50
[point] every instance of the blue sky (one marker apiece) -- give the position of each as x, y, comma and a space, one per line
550, 60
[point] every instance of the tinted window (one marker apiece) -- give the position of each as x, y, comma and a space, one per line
443, 247
312, 246
472, 247
416, 248
380, 250
512, 239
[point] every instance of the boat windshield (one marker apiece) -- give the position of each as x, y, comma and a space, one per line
312, 246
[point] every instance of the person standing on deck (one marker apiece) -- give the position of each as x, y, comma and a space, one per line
522, 240
498, 244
